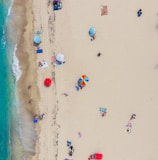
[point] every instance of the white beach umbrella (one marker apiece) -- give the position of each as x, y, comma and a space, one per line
59, 57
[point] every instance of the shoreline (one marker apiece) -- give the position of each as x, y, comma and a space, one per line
23, 19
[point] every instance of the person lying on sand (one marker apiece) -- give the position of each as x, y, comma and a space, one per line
71, 150
41, 116
129, 127
93, 37
29, 87
40, 64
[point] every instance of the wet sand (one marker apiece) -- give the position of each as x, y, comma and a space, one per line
27, 89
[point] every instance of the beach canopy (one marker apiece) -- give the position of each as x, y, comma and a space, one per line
98, 156
92, 31
47, 82
82, 81
60, 57
37, 39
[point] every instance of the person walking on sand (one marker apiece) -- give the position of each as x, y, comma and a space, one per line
29, 87
30, 100
79, 134
99, 54
65, 94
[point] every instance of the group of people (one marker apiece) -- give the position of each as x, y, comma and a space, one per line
57, 4
37, 118
70, 148
129, 124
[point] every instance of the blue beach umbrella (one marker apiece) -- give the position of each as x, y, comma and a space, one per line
92, 31
37, 39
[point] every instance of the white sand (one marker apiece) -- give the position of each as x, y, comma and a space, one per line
123, 79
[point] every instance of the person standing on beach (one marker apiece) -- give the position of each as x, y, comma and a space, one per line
30, 100
133, 116
139, 13
99, 54
65, 94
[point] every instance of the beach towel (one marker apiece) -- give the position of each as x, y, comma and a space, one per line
102, 109
104, 10
38, 51
77, 88
43, 64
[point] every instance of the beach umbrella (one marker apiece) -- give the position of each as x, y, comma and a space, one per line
92, 31
60, 57
37, 39
47, 82
83, 80
98, 156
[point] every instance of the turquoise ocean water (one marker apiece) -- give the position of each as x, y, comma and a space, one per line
8, 86
5, 89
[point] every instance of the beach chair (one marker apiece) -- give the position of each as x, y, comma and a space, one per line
104, 10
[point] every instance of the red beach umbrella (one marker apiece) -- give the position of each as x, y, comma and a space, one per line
98, 156
47, 82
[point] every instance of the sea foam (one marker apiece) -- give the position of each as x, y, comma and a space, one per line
9, 9
15, 65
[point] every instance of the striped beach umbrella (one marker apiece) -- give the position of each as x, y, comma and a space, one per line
82, 81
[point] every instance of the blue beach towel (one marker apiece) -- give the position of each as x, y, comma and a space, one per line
68, 143
77, 88
103, 109
38, 51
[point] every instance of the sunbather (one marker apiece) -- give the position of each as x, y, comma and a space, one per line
71, 150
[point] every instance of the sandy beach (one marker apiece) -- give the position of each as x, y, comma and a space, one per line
123, 79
